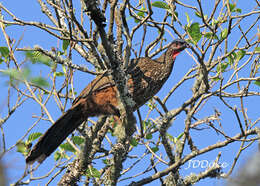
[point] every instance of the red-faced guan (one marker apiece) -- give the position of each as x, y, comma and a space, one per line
147, 77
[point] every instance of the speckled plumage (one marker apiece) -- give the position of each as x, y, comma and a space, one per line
146, 78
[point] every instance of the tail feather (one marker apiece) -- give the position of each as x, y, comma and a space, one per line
55, 135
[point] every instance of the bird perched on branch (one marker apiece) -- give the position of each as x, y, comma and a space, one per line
147, 77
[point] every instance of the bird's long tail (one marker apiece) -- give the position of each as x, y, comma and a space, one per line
56, 134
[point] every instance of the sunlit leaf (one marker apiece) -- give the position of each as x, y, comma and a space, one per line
134, 142
214, 22
140, 14
239, 10
224, 34
231, 58
34, 136
222, 67
105, 161
14, 74
234, 9
198, 14
170, 137
93, 172
67, 147
78, 140
64, 69
4, 52
176, 14
155, 149
194, 31
240, 55
21, 147
58, 74
146, 124
148, 136
65, 45
160, 4
187, 19
257, 83
210, 35
216, 78
57, 156
180, 136
257, 49
40, 82
38, 57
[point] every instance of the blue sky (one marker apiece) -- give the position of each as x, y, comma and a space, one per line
22, 119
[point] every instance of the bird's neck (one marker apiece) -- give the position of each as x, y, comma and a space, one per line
167, 59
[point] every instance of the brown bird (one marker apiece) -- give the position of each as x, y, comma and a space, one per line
147, 77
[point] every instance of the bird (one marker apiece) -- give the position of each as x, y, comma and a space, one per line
146, 78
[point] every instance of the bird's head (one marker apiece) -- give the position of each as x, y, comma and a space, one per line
177, 46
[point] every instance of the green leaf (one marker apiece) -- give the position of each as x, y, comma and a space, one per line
57, 156
146, 124
257, 83
216, 79
240, 54
106, 161
67, 147
70, 92
194, 31
38, 57
140, 14
148, 136
93, 172
257, 49
6, 25
40, 82
176, 14
231, 58
234, 9
160, 4
198, 14
64, 69
4, 52
155, 149
26, 72
180, 136
78, 140
170, 137
239, 10
210, 35
214, 22
176, 139
223, 34
34, 136
12, 73
21, 147
187, 18
58, 74
134, 142
222, 67
15, 74
65, 45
